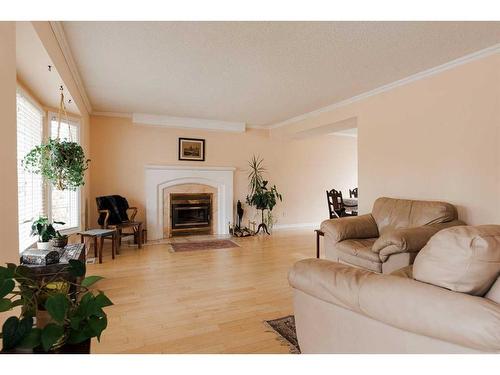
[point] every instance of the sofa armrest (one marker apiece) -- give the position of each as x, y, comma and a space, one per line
408, 239
403, 303
344, 228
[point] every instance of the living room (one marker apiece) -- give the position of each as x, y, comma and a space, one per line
211, 163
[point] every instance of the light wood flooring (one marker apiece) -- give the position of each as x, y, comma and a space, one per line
211, 301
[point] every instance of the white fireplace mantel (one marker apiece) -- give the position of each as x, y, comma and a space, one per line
159, 177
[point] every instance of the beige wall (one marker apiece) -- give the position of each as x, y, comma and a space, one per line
301, 169
9, 251
436, 138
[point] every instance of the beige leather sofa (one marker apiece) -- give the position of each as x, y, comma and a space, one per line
447, 302
390, 237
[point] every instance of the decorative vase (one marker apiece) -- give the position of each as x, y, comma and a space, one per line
43, 245
59, 241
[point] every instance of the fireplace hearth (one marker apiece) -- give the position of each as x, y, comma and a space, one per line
191, 213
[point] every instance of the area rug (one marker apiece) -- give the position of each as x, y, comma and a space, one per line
203, 245
285, 328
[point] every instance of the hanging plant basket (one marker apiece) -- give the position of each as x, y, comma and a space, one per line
62, 163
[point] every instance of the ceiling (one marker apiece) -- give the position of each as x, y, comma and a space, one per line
32, 61
260, 73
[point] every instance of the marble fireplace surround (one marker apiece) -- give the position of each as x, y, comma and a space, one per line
160, 177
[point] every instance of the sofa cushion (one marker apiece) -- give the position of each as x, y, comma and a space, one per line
390, 214
358, 253
494, 292
361, 248
463, 259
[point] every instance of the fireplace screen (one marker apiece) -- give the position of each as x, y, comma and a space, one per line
191, 212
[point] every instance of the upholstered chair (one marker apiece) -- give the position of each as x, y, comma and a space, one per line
390, 236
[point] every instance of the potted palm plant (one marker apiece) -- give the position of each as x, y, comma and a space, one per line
262, 197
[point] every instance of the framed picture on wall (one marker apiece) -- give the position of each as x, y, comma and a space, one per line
191, 149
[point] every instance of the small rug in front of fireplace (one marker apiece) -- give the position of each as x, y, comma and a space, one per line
203, 245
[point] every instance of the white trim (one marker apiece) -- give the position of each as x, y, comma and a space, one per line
296, 226
187, 122
404, 81
188, 168
58, 30
113, 114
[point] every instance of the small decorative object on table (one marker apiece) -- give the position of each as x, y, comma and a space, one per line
40, 257
237, 230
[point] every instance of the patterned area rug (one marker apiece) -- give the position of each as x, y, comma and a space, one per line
285, 328
203, 245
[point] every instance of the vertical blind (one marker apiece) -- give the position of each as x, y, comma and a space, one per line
30, 186
65, 204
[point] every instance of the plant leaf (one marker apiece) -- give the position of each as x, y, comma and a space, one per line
57, 305
32, 339
98, 325
101, 300
90, 280
50, 334
5, 304
6, 287
77, 268
9, 330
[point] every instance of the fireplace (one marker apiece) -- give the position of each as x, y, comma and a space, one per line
191, 213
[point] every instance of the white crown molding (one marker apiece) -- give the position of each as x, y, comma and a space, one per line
58, 31
187, 123
112, 114
404, 81
337, 134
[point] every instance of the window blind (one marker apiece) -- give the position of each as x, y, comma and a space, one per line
30, 186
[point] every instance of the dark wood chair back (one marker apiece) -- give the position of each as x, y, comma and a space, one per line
335, 203
353, 193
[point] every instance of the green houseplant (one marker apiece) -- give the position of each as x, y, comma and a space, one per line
67, 313
261, 196
45, 231
60, 162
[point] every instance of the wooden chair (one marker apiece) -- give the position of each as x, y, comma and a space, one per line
353, 193
114, 214
336, 204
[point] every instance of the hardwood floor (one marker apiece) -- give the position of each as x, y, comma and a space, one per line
211, 301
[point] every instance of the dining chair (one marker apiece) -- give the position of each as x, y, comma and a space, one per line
336, 206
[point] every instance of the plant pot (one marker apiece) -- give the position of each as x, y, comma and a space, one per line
43, 245
59, 241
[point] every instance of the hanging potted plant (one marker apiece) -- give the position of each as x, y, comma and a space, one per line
261, 196
60, 162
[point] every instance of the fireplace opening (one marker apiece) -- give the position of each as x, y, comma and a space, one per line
191, 213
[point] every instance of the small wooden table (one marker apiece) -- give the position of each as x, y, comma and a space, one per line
101, 234
319, 233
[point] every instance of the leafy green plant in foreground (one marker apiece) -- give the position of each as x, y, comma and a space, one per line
75, 312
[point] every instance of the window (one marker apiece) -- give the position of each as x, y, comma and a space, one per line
65, 204
34, 197
30, 190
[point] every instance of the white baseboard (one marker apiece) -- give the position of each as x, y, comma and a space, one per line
296, 226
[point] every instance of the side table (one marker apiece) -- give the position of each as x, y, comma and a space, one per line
101, 234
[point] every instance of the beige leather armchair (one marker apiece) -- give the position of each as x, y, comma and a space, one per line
390, 237
447, 302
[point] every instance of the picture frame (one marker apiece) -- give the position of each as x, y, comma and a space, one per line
192, 149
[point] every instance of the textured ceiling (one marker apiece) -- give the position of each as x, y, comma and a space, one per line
257, 72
